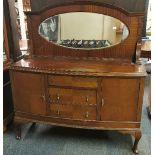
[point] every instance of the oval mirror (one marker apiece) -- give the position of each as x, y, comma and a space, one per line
83, 30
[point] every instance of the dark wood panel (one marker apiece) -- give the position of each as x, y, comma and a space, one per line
6, 76
8, 109
6, 48
7, 101
7, 95
128, 5
11, 26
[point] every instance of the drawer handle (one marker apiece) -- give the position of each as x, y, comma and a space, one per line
87, 114
43, 97
102, 102
58, 112
58, 97
87, 98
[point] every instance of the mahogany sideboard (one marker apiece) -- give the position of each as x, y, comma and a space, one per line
64, 85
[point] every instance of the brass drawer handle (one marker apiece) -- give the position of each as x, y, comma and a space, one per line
102, 102
87, 98
87, 114
43, 97
58, 97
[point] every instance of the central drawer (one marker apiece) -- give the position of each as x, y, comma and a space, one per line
72, 81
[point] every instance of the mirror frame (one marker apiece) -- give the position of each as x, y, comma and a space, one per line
125, 50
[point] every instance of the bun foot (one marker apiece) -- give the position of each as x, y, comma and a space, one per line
18, 130
18, 137
138, 136
135, 151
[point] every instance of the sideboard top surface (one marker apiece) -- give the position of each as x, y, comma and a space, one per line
60, 65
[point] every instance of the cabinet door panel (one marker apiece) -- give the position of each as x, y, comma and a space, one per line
28, 91
119, 99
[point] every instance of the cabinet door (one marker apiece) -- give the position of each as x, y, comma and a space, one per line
28, 92
120, 99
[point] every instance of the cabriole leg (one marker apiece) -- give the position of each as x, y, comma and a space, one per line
138, 136
18, 130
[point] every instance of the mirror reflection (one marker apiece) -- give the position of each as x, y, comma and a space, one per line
83, 30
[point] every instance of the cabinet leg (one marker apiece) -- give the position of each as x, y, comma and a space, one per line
18, 131
137, 136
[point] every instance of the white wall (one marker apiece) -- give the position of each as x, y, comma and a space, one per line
109, 33
79, 26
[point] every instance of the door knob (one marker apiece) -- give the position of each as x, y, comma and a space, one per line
58, 97
87, 98
43, 97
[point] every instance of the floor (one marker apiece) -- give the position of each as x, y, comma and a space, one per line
50, 140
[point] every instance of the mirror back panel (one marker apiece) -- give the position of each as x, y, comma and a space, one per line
123, 47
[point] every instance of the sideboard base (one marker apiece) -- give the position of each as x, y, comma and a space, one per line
135, 132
